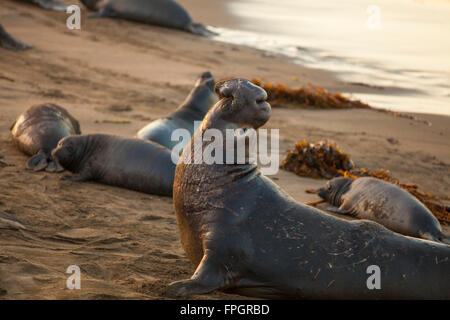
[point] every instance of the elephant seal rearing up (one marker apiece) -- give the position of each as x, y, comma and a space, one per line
128, 163
246, 235
38, 130
9, 42
381, 201
195, 106
164, 13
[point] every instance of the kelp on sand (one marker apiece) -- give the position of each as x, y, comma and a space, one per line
324, 160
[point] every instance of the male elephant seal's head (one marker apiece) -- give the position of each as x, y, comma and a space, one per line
334, 189
242, 104
70, 152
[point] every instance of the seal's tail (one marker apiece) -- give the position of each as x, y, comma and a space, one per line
38, 162
201, 30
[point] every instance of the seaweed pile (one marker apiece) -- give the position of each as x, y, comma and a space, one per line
307, 97
324, 160
319, 160
280, 95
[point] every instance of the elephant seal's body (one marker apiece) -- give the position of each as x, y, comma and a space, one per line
381, 201
9, 42
195, 106
37, 132
49, 4
128, 163
246, 235
164, 13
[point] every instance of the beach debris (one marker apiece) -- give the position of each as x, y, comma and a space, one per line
317, 160
311, 96
113, 121
324, 160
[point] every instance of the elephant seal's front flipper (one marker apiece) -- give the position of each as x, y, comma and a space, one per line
207, 278
38, 162
54, 167
9, 42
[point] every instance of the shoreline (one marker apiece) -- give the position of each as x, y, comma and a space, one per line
127, 243
394, 96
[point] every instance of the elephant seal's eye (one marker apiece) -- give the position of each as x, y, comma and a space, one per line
69, 149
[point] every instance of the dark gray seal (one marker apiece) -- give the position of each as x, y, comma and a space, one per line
195, 106
164, 13
133, 164
245, 235
38, 130
9, 42
383, 202
49, 4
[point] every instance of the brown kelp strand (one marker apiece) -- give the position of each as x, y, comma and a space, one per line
319, 160
307, 97
324, 160
311, 96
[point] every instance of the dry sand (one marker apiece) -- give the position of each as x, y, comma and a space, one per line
126, 243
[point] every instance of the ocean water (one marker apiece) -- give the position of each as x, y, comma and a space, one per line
401, 44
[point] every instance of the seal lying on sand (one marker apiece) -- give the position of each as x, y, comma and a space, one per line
9, 42
165, 13
49, 4
195, 106
129, 163
38, 130
245, 235
381, 201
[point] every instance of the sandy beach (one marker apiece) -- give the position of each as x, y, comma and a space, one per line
126, 243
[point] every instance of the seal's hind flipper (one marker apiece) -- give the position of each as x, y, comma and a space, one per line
54, 167
38, 162
11, 43
201, 30
53, 5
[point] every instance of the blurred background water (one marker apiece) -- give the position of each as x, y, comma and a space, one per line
401, 44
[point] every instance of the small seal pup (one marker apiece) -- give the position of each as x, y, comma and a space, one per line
38, 130
128, 163
164, 13
201, 98
245, 235
9, 42
49, 4
383, 202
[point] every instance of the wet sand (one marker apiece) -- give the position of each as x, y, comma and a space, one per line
126, 243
